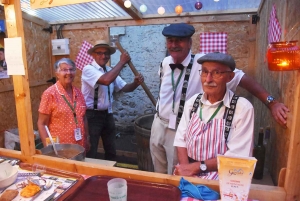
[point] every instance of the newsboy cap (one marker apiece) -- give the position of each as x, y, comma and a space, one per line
181, 30
218, 57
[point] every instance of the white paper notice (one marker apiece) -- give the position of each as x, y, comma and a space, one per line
13, 56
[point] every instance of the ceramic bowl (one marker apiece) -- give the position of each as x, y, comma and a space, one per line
8, 174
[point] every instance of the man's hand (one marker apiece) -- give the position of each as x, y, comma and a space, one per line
139, 79
187, 169
279, 111
124, 58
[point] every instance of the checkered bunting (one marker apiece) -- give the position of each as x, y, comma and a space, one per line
83, 58
213, 42
274, 30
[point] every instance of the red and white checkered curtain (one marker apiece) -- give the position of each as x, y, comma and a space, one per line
83, 58
274, 30
213, 42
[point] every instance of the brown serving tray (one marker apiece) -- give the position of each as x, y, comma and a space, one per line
95, 188
59, 173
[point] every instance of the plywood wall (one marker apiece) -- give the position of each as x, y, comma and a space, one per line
280, 84
37, 45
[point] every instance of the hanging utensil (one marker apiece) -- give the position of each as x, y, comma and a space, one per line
51, 140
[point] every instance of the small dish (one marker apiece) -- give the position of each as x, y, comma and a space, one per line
8, 174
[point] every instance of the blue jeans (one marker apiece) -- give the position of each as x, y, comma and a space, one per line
102, 124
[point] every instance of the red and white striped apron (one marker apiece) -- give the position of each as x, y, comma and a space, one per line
206, 141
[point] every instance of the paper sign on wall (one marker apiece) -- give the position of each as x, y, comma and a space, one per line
13, 56
35, 4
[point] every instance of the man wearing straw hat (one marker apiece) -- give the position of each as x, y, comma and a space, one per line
98, 83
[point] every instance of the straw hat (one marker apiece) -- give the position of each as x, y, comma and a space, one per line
102, 43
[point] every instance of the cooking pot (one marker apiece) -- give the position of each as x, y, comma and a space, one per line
64, 150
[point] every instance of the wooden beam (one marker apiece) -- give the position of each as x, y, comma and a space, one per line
132, 11
259, 192
14, 24
292, 178
168, 20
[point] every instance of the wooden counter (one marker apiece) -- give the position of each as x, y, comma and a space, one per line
260, 192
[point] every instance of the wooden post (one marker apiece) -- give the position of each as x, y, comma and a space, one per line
14, 24
292, 184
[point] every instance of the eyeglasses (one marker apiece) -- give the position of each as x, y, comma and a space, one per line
215, 74
107, 54
72, 70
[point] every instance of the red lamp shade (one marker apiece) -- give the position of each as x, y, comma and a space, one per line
283, 56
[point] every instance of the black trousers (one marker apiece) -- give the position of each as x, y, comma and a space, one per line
102, 124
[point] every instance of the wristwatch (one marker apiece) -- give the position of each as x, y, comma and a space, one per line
270, 99
203, 166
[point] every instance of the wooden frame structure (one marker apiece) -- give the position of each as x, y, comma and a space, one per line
289, 191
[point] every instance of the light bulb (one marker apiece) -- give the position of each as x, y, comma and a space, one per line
198, 5
161, 10
127, 3
216, 0
143, 8
178, 9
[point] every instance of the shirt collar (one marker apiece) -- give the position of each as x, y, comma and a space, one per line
226, 99
94, 63
186, 61
62, 91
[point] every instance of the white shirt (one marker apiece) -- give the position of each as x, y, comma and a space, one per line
90, 76
240, 138
194, 85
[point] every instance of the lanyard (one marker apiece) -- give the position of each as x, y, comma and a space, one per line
175, 87
73, 109
214, 114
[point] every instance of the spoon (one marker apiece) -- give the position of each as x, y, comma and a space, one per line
44, 187
51, 140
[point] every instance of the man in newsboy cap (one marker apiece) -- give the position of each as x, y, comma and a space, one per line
179, 81
98, 84
215, 122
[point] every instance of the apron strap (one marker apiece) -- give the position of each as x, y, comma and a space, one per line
229, 115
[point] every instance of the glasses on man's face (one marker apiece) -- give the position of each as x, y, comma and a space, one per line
107, 54
215, 73
71, 70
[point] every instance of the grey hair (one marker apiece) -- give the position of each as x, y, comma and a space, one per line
64, 61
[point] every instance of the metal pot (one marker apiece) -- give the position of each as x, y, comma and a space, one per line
65, 147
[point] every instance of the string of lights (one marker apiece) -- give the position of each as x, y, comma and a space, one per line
161, 10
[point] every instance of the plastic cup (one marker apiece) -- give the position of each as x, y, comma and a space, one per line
117, 189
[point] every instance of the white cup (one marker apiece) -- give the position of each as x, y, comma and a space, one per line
117, 189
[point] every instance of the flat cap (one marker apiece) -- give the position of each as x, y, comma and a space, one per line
218, 57
181, 30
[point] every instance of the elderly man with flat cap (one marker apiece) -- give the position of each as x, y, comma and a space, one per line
179, 81
215, 122
98, 84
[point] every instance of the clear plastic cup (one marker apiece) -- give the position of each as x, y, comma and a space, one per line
117, 189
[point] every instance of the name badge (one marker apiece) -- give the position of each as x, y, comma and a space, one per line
77, 134
172, 121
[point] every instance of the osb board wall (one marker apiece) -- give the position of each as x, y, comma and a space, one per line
37, 46
76, 37
279, 84
240, 39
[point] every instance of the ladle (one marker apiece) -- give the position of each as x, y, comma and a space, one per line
52, 142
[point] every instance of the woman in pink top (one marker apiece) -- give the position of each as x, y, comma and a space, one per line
62, 108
